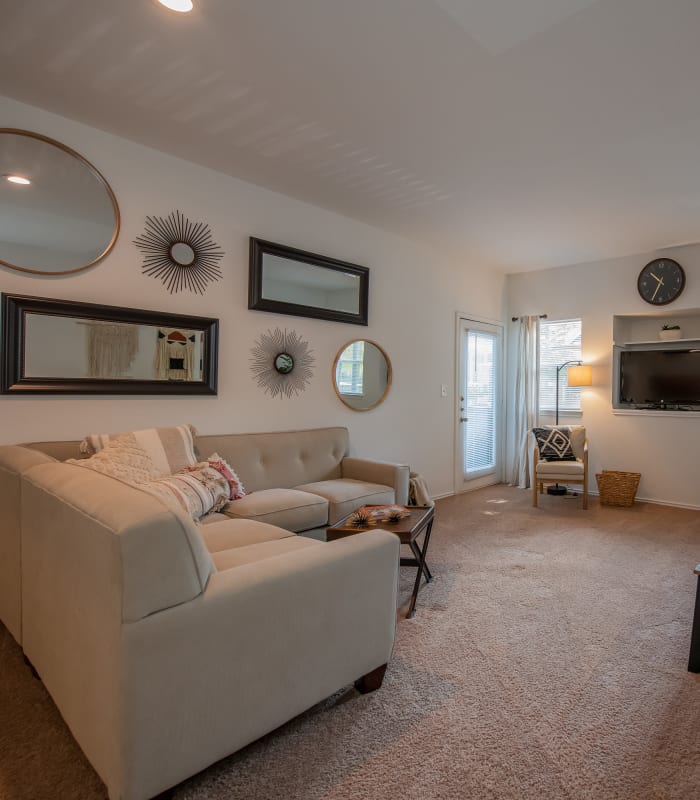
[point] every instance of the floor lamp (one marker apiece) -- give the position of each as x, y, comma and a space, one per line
578, 374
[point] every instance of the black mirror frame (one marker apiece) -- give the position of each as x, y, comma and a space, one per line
260, 247
12, 380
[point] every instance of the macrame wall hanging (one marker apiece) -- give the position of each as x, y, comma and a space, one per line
281, 363
111, 347
182, 254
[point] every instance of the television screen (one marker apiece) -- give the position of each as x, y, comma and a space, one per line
660, 377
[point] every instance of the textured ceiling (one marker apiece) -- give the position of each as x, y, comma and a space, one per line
516, 133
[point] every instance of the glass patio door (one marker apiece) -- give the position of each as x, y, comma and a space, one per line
479, 404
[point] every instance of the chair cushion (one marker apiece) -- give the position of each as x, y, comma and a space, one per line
287, 508
230, 533
344, 495
577, 434
554, 444
237, 556
554, 469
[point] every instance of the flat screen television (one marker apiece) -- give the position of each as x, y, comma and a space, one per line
660, 378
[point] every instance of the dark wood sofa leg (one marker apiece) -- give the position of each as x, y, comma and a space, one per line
371, 681
694, 658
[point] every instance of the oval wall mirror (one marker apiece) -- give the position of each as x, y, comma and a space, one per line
361, 374
57, 213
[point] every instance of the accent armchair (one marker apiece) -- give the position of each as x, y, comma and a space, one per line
546, 472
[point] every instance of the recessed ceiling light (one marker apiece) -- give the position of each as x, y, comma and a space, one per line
183, 6
17, 179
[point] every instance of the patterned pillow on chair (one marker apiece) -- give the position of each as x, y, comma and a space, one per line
554, 444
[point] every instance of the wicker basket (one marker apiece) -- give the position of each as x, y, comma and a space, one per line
617, 488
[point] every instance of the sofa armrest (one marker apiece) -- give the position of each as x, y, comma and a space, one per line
14, 462
384, 472
265, 641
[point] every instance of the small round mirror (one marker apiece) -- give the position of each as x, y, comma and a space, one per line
57, 213
182, 254
361, 374
284, 363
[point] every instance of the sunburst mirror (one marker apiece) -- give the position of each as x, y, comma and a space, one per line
281, 363
182, 254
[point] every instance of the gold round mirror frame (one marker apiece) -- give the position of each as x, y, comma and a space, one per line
100, 177
389, 374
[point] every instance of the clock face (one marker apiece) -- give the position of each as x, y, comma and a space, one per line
661, 281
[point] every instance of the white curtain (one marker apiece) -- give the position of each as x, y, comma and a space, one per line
526, 399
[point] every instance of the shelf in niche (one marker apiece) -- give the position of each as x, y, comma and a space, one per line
662, 342
640, 331
654, 412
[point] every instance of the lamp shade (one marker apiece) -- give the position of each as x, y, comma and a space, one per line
581, 375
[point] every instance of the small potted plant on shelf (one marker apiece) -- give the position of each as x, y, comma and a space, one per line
668, 332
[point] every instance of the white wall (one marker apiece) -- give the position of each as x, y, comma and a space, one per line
414, 295
664, 449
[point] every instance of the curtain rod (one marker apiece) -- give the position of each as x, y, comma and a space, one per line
515, 319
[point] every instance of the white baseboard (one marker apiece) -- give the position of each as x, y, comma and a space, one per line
655, 501
578, 489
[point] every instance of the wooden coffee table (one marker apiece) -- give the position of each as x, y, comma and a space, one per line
408, 529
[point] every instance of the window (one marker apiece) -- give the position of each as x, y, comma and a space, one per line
351, 368
560, 341
480, 404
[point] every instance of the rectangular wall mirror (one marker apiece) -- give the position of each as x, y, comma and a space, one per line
66, 347
289, 281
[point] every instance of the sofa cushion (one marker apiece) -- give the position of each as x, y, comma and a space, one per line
170, 449
215, 516
237, 556
281, 459
287, 508
346, 494
230, 533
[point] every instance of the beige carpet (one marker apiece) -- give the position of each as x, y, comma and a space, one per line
547, 660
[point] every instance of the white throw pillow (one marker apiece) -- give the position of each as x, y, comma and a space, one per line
170, 449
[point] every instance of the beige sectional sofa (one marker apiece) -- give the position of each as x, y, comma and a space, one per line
168, 644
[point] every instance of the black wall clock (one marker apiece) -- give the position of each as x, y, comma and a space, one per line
661, 281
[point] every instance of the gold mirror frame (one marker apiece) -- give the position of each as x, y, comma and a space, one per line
389, 374
100, 177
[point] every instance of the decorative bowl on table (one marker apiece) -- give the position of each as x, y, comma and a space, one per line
361, 519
